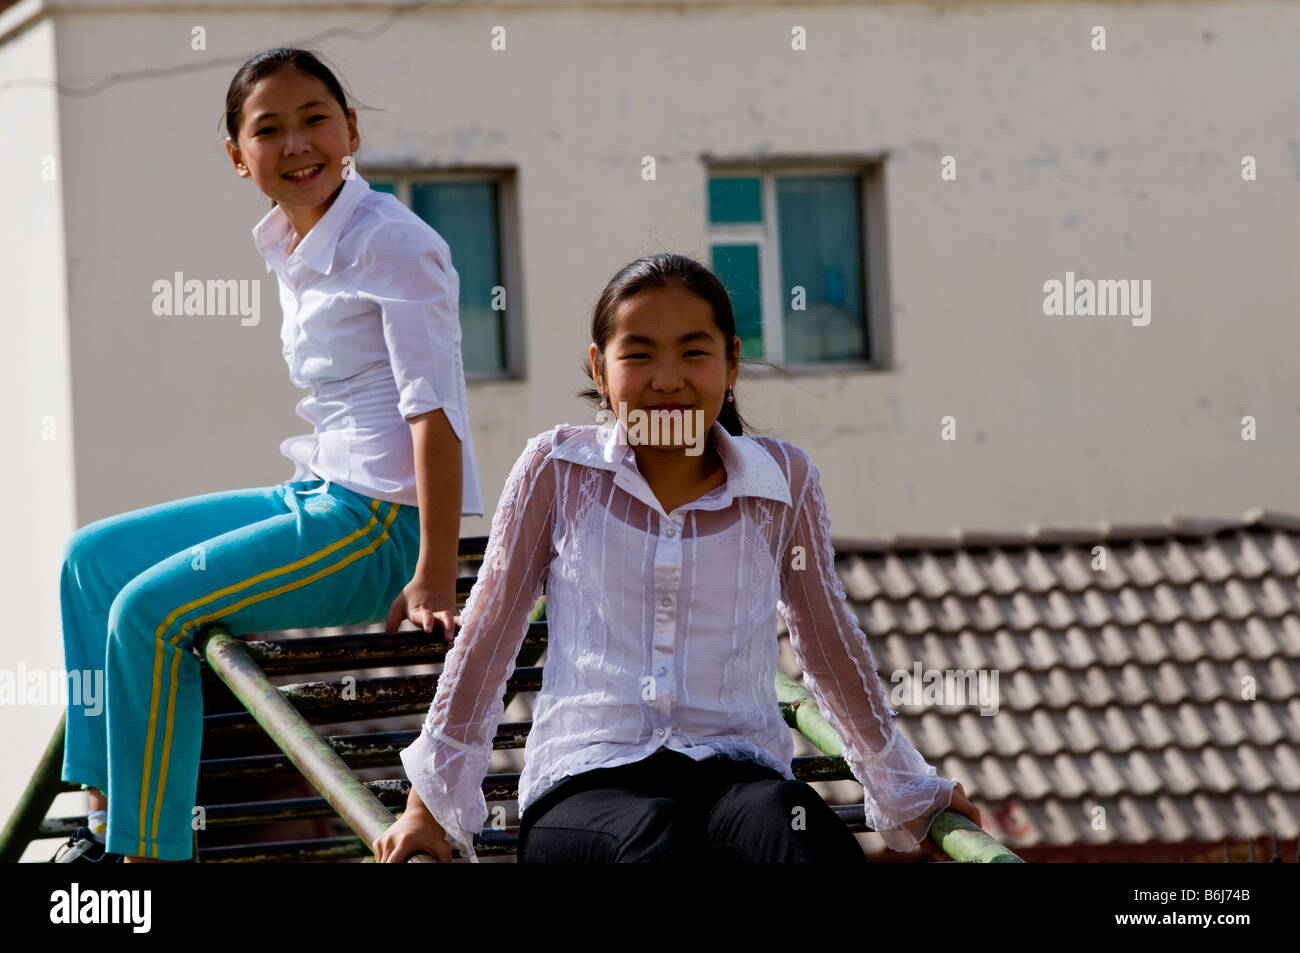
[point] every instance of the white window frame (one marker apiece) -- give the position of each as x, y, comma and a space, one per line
767, 237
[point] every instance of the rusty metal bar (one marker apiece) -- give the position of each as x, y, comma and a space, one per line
359, 808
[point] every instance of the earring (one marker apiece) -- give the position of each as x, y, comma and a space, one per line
731, 398
604, 402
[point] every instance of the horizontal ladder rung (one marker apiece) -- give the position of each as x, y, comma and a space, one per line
332, 653
359, 699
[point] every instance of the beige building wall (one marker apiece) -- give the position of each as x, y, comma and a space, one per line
1123, 163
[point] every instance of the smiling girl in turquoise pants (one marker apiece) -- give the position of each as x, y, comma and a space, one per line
366, 530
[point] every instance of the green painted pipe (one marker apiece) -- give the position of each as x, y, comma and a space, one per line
955, 834
35, 802
310, 754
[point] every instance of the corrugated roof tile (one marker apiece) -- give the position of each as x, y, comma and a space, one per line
1076, 648
1140, 775
1210, 561
1165, 605
968, 736
988, 612
1252, 773
1177, 770
895, 578
1285, 766
966, 575
1282, 678
1184, 643
1282, 552
1095, 688
1287, 632
1132, 687
1152, 727
1005, 733
1076, 728
995, 783
1224, 724
1040, 652
1031, 781
1210, 820
1149, 645
1068, 781
1043, 736
972, 651
1074, 573
1248, 554
1190, 727
1117, 734
1258, 639
1134, 820
860, 583
1037, 571
1062, 609
1104, 777
1169, 685
1058, 688
1114, 648
1007, 651
1205, 680
1284, 814
1175, 562
1211, 602
932, 737
1220, 638
1140, 564
1242, 600
931, 577
1260, 721
952, 615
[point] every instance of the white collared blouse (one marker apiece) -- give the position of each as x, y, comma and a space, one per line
662, 632
371, 325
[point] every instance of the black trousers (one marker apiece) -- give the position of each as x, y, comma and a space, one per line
670, 808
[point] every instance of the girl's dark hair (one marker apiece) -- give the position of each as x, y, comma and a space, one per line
265, 64
657, 271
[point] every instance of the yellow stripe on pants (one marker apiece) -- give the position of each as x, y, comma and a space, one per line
205, 600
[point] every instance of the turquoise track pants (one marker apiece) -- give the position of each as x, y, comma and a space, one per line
137, 587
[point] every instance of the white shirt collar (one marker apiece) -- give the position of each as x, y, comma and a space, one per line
751, 470
316, 250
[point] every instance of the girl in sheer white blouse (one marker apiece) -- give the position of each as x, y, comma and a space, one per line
665, 558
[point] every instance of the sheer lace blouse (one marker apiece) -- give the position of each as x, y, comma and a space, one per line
662, 631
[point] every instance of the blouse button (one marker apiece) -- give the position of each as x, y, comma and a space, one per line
660, 732
671, 533
662, 670
666, 601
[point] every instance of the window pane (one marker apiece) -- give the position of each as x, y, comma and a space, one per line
737, 268
733, 200
465, 215
821, 251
